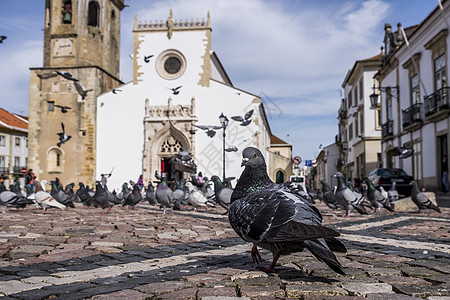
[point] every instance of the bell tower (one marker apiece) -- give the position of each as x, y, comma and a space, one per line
81, 37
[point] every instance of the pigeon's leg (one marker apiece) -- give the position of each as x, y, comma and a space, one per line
109, 209
171, 211
255, 255
164, 211
195, 208
134, 207
271, 269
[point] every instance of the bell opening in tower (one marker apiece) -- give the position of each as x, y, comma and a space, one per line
67, 12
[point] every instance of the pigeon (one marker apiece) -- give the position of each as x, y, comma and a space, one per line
421, 200
102, 197
69, 191
84, 196
150, 194
196, 198
231, 149
2, 38
270, 216
299, 190
58, 193
147, 58
179, 194
210, 129
393, 193
43, 198
347, 197
63, 137
221, 192
330, 199
134, 198
64, 109
47, 75
114, 91
82, 91
67, 75
383, 192
175, 91
244, 120
12, 199
124, 192
17, 189
376, 198
164, 194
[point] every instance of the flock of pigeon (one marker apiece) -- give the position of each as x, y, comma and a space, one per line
193, 193
272, 216
344, 197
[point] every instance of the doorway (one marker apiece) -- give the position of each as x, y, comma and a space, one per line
443, 152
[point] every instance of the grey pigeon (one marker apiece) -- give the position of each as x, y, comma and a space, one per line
164, 194
175, 91
58, 193
64, 109
179, 194
330, 199
244, 120
196, 198
102, 197
222, 193
84, 196
124, 192
376, 198
12, 199
63, 137
272, 217
393, 193
210, 129
43, 198
421, 200
150, 194
347, 197
134, 198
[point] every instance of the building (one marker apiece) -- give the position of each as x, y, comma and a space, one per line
134, 128
326, 165
13, 145
414, 97
359, 138
281, 159
81, 37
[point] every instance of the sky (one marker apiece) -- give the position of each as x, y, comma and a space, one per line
295, 54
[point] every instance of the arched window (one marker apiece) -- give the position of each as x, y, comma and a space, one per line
170, 146
279, 177
54, 160
67, 12
93, 14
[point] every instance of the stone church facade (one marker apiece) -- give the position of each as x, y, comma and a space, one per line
134, 128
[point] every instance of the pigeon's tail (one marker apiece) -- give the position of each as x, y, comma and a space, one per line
320, 250
432, 206
388, 206
335, 245
361, 209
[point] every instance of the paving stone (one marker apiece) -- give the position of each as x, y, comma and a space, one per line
382, 271
297, 290
216, 291
259, 281
418, 271
120, 295
390, 296
326, 297
363, 289
261, 291
189, 293
224, 298
402, 280
422, 291
250, 274
159, 288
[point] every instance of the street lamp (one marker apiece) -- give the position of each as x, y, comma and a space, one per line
224, 122
390, 90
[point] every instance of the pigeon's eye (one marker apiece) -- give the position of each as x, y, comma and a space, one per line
255, 155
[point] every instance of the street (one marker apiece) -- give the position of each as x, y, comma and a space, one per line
141, 254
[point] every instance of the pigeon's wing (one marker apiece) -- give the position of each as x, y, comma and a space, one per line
215, 127
47, 75
248, 114
201, 127
178, 87
423, 200
253, 216
238, 118
245, 123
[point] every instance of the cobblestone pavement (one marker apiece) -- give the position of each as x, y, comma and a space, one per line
81, 254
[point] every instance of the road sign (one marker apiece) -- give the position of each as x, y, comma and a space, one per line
297, 160
308, 163
23, 170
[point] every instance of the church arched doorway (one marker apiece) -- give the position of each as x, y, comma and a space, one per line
279, 177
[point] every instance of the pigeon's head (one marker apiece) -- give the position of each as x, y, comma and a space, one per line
215, 178
252, 157
338, 175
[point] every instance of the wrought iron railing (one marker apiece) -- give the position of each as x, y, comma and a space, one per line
387, 129
437, 101
412, 114
4, 170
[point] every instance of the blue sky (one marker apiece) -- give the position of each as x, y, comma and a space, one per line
294, 52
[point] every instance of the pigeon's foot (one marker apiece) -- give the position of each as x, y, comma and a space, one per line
109, 209
271, 269
255, 255
266, 270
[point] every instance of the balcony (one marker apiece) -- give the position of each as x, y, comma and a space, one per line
387, 130
4, 170
412, 117
342, 115
437, 105
18, 170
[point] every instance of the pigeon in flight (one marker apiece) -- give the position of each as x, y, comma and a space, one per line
231, 149
244, 120
116, 90
82, 91
272, 217
63, 137
421, 200
2, 38
147, 58
175, 91
64, 109
210, 129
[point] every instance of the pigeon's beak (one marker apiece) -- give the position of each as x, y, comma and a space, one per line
244, 162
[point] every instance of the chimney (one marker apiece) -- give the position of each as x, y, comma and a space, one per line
399, 33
